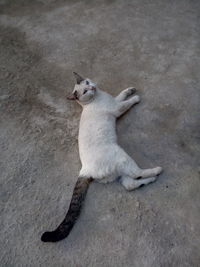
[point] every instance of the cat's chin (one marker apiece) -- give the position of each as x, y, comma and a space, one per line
83, 103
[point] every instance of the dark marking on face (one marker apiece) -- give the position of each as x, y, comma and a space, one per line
85, 91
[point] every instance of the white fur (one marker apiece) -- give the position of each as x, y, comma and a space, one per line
101, 157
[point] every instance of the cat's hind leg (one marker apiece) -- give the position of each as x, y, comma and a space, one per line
131, 169
144, 173
131, 184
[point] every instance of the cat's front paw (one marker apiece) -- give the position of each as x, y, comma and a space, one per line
136, 99
130, 91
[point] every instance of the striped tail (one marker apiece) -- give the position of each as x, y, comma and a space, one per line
63, 230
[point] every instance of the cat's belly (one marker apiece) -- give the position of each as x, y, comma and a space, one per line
101, 157
103, 163
97, 135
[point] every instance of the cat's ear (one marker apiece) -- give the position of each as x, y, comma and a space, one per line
78, 78
71, 97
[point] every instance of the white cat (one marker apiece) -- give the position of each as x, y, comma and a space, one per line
102, 158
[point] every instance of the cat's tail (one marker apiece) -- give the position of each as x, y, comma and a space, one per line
63, 230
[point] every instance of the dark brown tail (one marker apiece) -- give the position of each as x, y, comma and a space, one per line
67, 224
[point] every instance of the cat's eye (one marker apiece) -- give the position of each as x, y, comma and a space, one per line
87, 82
85, 91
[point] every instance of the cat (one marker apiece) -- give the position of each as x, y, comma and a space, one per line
102, 159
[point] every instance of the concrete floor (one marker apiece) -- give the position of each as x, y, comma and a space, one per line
152, 45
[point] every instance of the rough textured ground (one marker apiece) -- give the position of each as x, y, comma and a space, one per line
152, 45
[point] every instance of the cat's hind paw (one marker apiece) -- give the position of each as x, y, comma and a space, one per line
158, 170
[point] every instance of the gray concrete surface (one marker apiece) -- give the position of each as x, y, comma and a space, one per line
152, 45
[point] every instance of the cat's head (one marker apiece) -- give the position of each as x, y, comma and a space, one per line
84, 90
